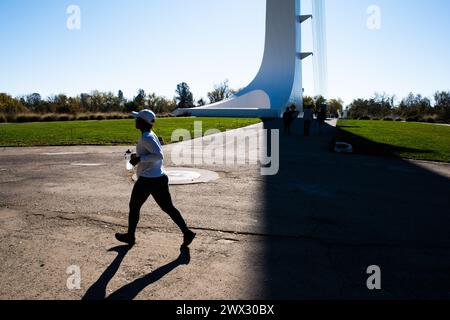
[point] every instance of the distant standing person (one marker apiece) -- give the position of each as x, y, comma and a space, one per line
322, 116
294, 113
308, 118
287, 121
152, 180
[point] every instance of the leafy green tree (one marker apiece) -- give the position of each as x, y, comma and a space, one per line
130, 106
184, 96
201, 102
120, 95
85, 102
359, 108
415, 106
34, 102
379, 106
10, 105
318, 102
97, 101
308, 102
335, 107
74, 105
122, 100
442, 105
160, 104
139, 100
62, 103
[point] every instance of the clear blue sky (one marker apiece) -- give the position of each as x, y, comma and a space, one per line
155, 44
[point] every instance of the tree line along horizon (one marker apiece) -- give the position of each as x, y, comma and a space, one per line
107, 105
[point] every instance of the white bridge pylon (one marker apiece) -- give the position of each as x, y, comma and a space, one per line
278, 83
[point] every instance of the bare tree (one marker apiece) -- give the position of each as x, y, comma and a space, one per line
221, 92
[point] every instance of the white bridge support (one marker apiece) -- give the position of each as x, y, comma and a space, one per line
278, 83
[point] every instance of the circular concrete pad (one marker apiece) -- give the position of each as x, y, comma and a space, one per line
179, 176
88, 164
183, 176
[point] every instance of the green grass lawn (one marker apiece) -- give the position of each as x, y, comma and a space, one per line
418, 141
107, 132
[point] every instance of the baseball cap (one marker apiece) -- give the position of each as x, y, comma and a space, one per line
146, 115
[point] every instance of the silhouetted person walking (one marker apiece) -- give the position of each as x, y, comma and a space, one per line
308, 118
287, 121
294, 113
152, 180
322, 116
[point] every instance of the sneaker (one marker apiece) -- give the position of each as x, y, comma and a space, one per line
126, 238
188, 238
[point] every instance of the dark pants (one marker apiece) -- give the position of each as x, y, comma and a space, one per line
159, 189
287, 127
307, 127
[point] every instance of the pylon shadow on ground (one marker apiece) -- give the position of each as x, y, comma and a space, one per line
332, 216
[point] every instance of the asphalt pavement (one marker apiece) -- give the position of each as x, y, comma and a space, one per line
309, 232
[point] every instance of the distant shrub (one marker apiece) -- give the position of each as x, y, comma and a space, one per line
428, 119
413, 119
113, 116
376, 119
388, 119
21, 118
117, 116
165, 115
65, 117
364, 118
10, 117
102, 116
27, 117
435, 118
50, 117
82, 117
439, 120
399, 120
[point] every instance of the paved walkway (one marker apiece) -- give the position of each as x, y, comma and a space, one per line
309, 232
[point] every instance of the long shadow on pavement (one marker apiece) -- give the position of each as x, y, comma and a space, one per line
332, 216
98, 290
130, 291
